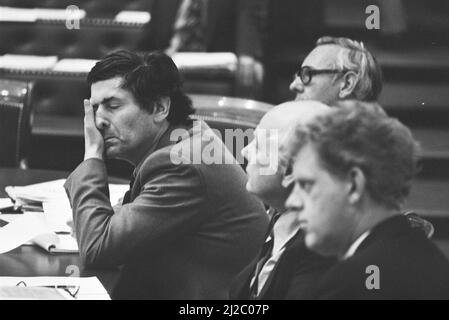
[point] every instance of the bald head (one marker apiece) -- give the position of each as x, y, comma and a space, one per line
290, 113
264, 175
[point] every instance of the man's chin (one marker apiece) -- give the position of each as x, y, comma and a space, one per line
111, 153
259, 193
317, 246
250, 188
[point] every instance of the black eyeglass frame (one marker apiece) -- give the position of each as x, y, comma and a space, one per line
312, 72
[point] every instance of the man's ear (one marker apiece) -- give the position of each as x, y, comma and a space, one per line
348, 84
357, 185
161, 109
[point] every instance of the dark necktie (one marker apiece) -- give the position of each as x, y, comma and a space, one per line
127, 196
265, 254
189, 28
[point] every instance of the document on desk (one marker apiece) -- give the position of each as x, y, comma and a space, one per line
53, 191
44, 228
5, 203
90, 288
32, 227
39, 192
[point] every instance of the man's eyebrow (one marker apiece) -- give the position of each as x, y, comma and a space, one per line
108, 100
302, 176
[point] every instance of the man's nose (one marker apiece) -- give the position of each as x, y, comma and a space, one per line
296, 85
247, 151
244, 152
101, 121
294, 201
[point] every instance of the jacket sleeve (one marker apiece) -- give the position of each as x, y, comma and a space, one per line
171, 203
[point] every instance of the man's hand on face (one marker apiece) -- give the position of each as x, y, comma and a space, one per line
93, 140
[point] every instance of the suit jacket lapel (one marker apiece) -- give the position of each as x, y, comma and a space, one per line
277, 283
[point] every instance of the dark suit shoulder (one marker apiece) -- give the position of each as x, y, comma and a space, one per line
306, 268
160, 163
297, 270
408, 266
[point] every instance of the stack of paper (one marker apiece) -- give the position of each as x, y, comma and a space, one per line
44, 227
27, 62
31, 197
51, 195
32, 227
45, 191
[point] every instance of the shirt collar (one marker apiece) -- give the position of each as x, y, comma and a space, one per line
281, 230
355, 245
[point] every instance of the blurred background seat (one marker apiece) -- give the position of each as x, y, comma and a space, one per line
15, 122
234, 119
94, 8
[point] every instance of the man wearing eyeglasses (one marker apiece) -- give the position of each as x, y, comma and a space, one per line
338, 69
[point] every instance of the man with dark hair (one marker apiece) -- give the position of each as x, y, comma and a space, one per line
145, 84
183, 230
352, 170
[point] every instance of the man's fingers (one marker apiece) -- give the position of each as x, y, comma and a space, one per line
93, 139
88, 110
89, 117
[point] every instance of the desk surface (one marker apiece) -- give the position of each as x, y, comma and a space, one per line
34, 261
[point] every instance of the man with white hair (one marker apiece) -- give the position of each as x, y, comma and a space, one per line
342, 72
338, 69
284, 269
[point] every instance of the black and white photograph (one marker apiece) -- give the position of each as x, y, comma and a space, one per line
224, 155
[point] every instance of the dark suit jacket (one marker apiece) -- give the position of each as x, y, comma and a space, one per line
232, 25
187, 232
292, 277
410, 267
